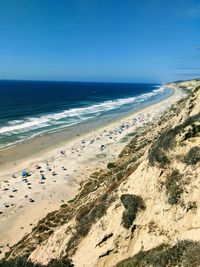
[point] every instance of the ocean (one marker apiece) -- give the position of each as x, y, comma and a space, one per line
32, 108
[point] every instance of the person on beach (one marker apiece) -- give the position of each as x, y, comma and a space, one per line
42, 178
102, 147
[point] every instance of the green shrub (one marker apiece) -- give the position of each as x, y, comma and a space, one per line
132, 205
184, 254
23, 262
193, 156
166, 141
65, 262
195, 129
174, 187
156, 154
42, 228
18, 262
83, 226
111, 165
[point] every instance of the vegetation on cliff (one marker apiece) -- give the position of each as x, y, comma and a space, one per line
23, 262
132, 205
184, 253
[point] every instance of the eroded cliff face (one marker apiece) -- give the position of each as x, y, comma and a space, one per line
149, 197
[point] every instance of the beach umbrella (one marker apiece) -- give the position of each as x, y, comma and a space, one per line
24, 173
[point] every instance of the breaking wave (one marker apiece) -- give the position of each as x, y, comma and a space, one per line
74, 115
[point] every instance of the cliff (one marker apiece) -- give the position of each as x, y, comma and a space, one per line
143, 210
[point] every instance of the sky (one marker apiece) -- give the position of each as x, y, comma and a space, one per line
100, 40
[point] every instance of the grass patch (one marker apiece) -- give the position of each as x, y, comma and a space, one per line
174, 187
184, 253
132, 205
193, 156
86, 217
91, 217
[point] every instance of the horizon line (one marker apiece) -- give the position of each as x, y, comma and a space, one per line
75, 81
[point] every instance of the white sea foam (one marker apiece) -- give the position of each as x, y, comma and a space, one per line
72, 116
15, 122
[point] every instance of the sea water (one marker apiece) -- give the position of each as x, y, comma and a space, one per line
31, 108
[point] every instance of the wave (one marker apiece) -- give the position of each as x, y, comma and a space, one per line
72, 116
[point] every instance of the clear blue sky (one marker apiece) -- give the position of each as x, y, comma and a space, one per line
100, 40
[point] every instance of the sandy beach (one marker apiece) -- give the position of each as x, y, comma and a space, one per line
56, 173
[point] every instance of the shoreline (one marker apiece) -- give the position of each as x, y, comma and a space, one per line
65, 168
32, 148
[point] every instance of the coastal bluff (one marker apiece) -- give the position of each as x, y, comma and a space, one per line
143, 210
